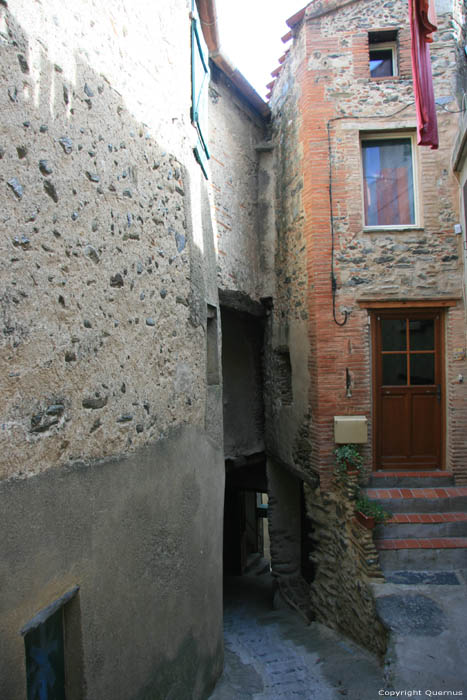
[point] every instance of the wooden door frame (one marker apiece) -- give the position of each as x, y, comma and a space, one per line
408, 308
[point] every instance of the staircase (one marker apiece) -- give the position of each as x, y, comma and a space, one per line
423, 555
428, 527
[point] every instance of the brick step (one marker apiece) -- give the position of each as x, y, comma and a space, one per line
409, 479
422, 543
417, 554
423, 525
421, 500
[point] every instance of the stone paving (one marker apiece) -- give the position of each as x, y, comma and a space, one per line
274, 654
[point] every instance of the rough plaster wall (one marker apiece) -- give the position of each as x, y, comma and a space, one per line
234, 131
149, 629
101, 313
107, 262
142, 48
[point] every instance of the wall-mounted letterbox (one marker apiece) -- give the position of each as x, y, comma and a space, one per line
350, 429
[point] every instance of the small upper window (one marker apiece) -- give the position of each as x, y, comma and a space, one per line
388, 181
383, 54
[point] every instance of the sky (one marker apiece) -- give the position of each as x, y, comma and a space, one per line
250, 35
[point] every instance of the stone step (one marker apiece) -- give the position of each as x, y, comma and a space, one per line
423, 525
433, 554
409, 479
420, 500
424, 578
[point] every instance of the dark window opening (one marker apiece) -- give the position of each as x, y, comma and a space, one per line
212, 347
383, 54
45, 659
381, 63
54, 651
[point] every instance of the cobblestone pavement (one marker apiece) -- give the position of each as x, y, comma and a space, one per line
274, 654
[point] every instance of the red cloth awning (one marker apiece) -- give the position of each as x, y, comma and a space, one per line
422, 26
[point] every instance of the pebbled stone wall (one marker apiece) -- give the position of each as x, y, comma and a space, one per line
109, 378
102, 336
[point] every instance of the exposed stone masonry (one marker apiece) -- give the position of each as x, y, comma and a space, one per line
96, 263
346, 560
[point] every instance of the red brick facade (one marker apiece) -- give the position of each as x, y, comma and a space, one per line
325, 86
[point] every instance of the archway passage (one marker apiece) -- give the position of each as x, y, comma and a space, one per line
246, 534
245, 512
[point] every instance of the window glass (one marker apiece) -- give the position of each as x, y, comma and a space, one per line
393, 334
388, 182
381, 63
422, 368
422, 334
45, 660
394, 369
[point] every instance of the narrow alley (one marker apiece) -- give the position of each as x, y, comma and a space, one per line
272, 654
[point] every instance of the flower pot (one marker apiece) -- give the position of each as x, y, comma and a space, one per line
367, 521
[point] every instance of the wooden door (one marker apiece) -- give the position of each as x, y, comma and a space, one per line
408, 389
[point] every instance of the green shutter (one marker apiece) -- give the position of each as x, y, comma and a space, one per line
199, 93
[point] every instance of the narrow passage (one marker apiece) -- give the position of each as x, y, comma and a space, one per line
274, 654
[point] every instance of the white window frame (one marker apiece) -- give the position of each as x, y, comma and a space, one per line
384, 46
389, 136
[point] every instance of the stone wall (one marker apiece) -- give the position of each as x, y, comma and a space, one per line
346, 561
287, 352
103, 330
234, 131
110, 340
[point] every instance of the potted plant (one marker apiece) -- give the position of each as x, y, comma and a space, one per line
369, 513
349, 461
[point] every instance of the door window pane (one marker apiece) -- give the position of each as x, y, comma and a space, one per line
388, 182
422, 369
394, 370
393, 334
422, 334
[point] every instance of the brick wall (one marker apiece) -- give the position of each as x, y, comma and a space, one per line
325, 81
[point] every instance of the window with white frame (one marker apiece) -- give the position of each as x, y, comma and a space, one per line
383, 54
389, 180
